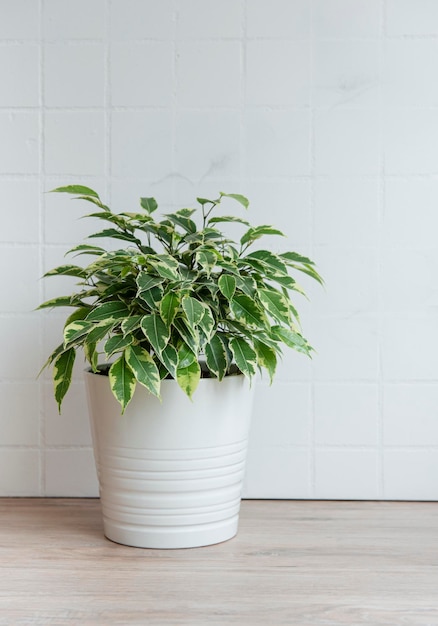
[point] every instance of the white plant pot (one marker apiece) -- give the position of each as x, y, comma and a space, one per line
170, 473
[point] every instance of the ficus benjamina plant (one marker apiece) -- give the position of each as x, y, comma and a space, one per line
179, 300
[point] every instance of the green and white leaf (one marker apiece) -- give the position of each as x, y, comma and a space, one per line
188, 373
216, 357
155, 331
109, 311
117, 343
144, 368
75, 331
276, 305
145, 281
247, 312
190, 336
91, 354
62, 374
258, 231
227, 285
131, 323
122, 382
193, 309
169, 358
67, 270
244, 356
207, 323
266, 357
169, 306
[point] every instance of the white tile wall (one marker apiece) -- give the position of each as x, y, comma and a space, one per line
325, 115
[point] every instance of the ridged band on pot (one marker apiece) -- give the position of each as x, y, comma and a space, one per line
170, 473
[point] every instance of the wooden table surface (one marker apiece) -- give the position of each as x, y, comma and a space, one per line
299, 563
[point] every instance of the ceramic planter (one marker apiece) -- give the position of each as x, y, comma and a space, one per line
170, 473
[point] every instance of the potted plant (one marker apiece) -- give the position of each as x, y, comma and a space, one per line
184, 317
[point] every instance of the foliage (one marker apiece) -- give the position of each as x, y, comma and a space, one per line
178, 300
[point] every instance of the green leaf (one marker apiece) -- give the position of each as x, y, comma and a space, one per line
85, 248
91, 354
207, 322
246, 284
146, 281
189, 335
168, 307
77, 190
227, 285
144, 368
122, 382
268, 260
258, 231
54, 302
291, 339
117, 343
206, 259
216, 357
75, 331
228, 218
166, 266
187, 224
99, 332
193, 309
113, 233
62, 374
67, 270
244, 356
109, 311
276, 305
237, 196
247, 312
131, 323
266, 357
169, 358
149, 204
152, 297
155, 331
188, 376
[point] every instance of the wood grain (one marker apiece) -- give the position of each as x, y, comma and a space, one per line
296, 563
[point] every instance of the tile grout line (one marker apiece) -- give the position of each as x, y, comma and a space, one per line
107, 101
174, 101
243, 55
381, 205
41, 290
312, 169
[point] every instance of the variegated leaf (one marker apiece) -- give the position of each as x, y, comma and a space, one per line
145, 281
227, 285
131, 323
266, 357
244, 356
188, 373
193, 309
117, 343
155, 331
168, 307
169, 358
144, 368
246, 311
122, 382
109, 311
216, 357
62, 374
75, 331
276, 305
